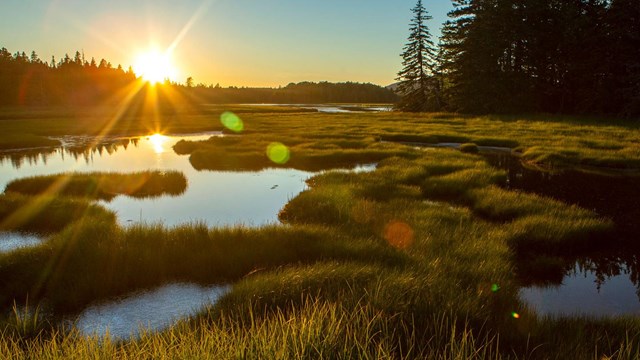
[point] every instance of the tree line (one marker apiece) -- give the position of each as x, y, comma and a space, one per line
557, 56
30, 81
77, 81
297, 93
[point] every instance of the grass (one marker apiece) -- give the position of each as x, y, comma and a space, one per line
417, 259
318, 139
311, 138
318, 330
470, 148
103, 186
66, 269
46, 214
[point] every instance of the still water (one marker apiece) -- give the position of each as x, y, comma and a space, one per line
10, 241
217, 198
335, 109
214, 197
597, 283
154, 309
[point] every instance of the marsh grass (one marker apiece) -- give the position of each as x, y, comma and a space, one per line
46, 214
314, 330
470, 148
417, 259
545, 140
103, 186
124, 259
306, 154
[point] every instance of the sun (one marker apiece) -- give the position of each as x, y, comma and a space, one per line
154, 66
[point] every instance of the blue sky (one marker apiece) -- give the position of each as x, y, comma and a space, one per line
231, 42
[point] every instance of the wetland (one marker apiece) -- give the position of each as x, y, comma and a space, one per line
506, 245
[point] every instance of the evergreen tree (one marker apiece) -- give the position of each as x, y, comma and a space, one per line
419, 86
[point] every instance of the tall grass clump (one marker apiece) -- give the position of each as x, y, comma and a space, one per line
540, 224
455, 185
74, 261
104, 186
46, 214
24, 323
315, 329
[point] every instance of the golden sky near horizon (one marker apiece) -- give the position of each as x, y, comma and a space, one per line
231, 42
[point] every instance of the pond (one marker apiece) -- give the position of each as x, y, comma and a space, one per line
597, 283
216, 198
10, 241
154, 309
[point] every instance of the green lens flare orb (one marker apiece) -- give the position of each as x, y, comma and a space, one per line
495, 287
278, 153
231, 121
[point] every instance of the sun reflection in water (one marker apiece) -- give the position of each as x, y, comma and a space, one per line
158, 141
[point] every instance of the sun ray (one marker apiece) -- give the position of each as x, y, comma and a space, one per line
185, 29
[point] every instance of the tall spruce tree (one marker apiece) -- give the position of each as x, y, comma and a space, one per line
419, 87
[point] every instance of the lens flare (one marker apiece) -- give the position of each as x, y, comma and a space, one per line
398, 234
231, 121
515, 315
495, 288
278, 153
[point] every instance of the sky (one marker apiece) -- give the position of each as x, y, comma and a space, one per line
255, 43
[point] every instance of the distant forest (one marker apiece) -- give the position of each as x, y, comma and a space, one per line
514, 56
75, 81
300, 93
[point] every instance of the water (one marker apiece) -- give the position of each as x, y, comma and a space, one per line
10, 241
345, 108
586, 292
214, 197
153, 310
335, 109
601, 283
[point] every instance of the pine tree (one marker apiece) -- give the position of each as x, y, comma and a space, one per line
419, 86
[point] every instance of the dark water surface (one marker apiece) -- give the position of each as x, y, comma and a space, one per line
598, 283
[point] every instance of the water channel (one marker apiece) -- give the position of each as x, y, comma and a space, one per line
597, 283
249, 198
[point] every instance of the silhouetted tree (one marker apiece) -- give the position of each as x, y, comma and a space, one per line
577, 56
29, 81
418, 87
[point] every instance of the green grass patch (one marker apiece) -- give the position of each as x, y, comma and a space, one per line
65, 270
46, 214
104, 186
469, 148
417, 259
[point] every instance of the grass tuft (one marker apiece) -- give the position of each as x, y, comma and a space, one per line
104, 186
